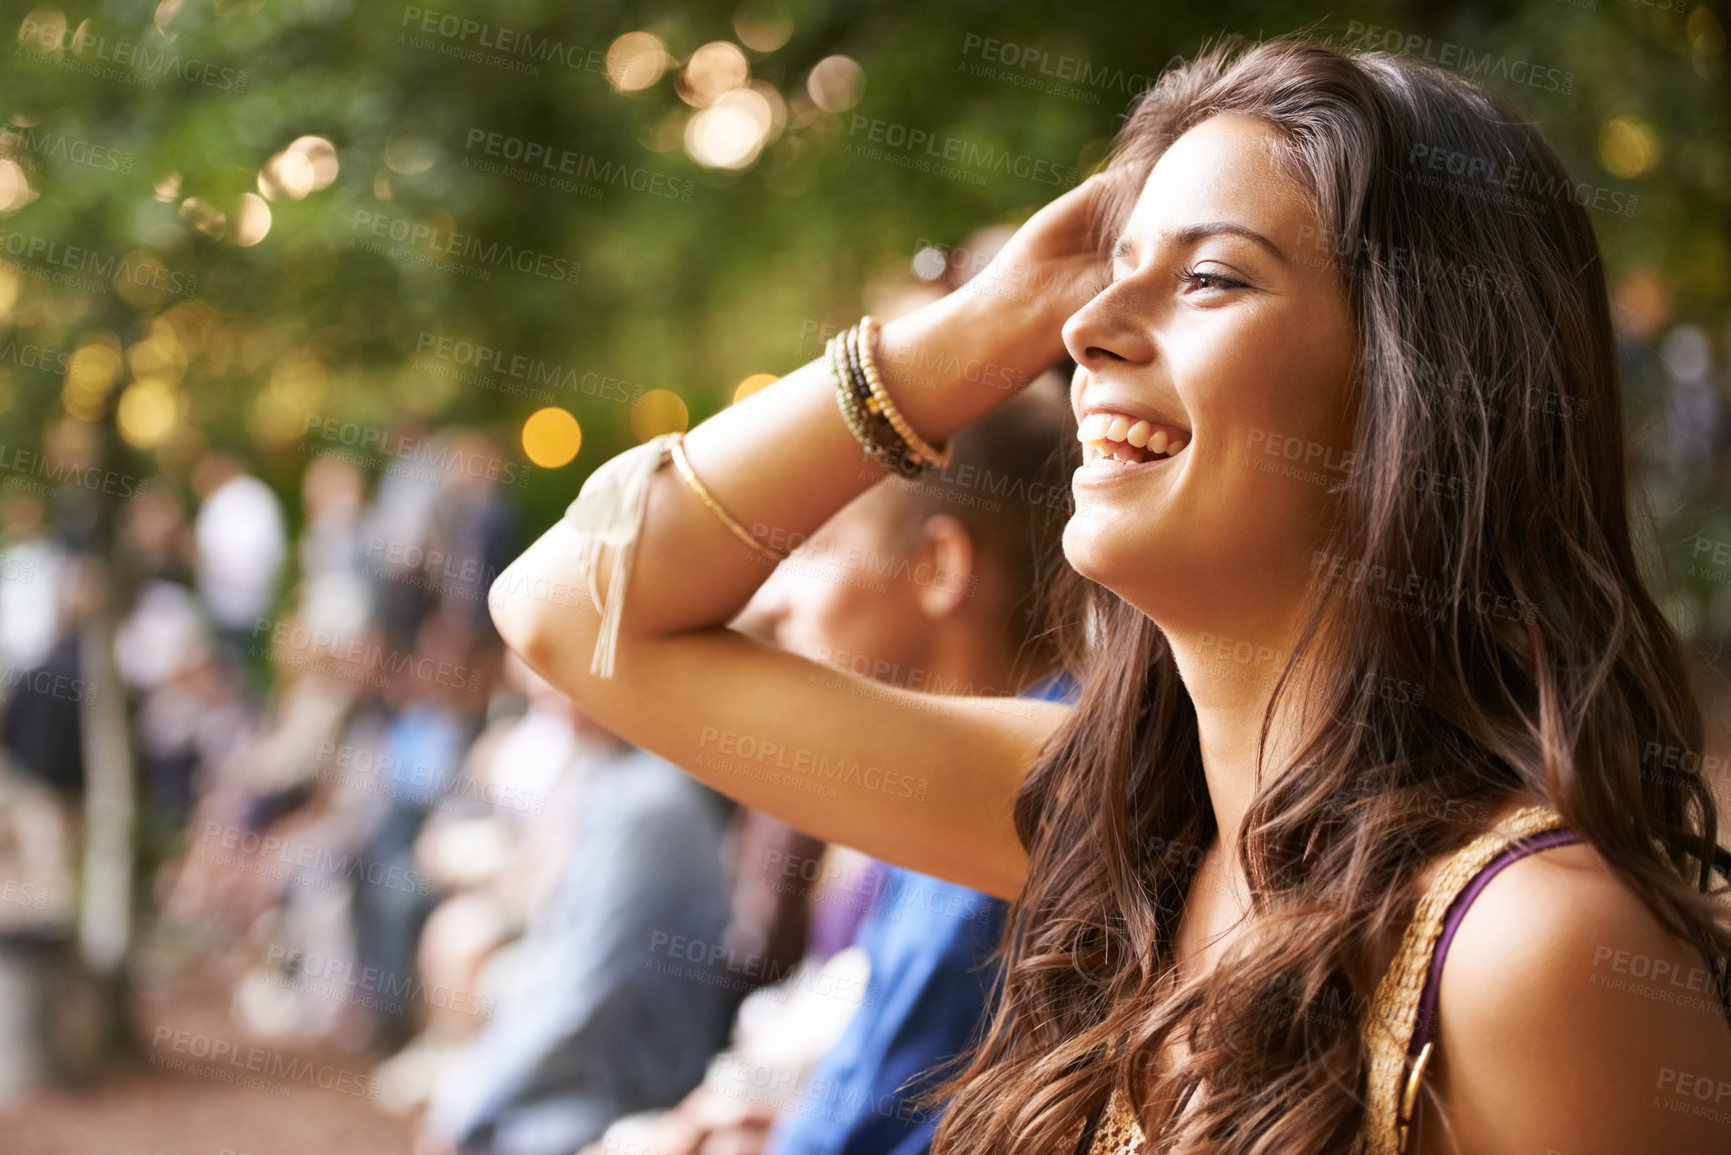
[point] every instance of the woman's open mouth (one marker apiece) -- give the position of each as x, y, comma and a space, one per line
1116, 440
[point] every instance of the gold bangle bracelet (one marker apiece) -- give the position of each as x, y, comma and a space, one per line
680, 462
939, 457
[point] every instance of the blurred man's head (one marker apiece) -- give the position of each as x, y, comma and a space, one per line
933, 581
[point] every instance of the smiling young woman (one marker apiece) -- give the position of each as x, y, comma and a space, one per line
1355, 607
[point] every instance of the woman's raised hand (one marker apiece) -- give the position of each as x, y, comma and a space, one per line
975, 347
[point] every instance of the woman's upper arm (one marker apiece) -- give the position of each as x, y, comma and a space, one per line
921, 780
1572, 1021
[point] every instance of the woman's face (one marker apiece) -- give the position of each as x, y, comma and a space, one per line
1245, 363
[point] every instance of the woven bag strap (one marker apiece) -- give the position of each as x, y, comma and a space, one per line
1388, 1026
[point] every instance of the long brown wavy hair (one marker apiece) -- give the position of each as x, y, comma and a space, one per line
1488, 492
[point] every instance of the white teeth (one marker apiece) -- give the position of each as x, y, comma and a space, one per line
1108, 435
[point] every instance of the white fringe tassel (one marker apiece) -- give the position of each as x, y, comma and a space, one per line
609, 510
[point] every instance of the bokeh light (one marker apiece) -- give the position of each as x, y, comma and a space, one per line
659, 411
44, 30
732, 133
147, 412
752, 384
1628, 146
307, 165
205, 217
90, 373
763, 27
551, 437
15, 189
713, 71
252, 220
836, 83
637, 60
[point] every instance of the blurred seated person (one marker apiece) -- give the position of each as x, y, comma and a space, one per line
957, 610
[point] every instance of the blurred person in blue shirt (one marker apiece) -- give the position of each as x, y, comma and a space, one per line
936, 585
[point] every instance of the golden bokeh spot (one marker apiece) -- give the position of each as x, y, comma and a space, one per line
90, 372
636, 60
147, 412
835, 83
144, 282
1628, 146
8, 293
252, 220
752, 384
44, 30
551, 437
159, 355
659, 411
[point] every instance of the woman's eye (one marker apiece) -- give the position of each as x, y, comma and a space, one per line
1209, 280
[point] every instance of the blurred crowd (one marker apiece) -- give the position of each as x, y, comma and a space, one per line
378, 830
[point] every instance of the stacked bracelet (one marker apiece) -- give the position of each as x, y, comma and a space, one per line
676, 449
866, 406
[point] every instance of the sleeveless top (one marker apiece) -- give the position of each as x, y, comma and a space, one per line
1398, 1028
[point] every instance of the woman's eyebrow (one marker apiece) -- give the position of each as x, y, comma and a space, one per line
1190, 234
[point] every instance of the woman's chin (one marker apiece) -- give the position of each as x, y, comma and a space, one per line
1096, 548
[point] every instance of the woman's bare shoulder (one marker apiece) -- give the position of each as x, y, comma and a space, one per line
1571, 1019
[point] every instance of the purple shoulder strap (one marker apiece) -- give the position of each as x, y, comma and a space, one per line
1425, 1026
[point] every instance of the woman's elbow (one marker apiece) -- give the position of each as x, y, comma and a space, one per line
524, 620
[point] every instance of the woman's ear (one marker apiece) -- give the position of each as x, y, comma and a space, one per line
944, 573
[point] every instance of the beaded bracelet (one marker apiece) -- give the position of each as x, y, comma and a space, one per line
939, 457
871, 416
853, 396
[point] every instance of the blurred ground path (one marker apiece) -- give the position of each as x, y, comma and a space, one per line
140, 1109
